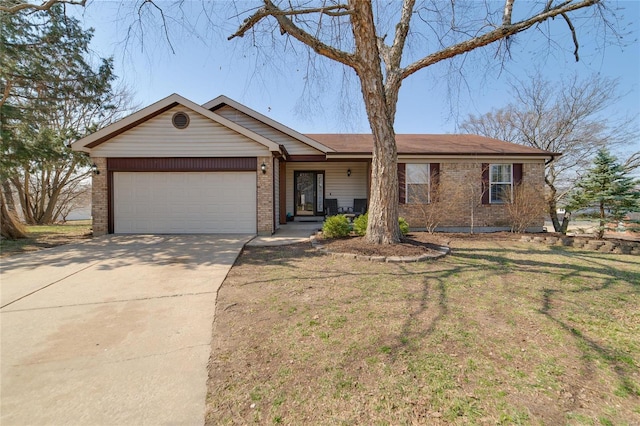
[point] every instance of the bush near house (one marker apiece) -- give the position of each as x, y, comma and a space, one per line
525, 209
337, 226
360, 225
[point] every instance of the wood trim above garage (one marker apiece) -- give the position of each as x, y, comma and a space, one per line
189, 164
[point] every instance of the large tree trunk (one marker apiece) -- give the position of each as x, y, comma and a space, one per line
553, 209
603, 215
10, 227
565, 222
553, 214
8, 196
382, 227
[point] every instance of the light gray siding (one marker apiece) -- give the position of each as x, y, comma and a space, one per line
158, 137
293, 146
337, 183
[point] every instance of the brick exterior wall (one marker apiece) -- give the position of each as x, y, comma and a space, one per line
461, 184
265, 197
100, 198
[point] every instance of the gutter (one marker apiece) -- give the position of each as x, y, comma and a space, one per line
553, 157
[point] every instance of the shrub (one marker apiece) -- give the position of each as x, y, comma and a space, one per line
404, 226
360, 225
336, 226
526, 209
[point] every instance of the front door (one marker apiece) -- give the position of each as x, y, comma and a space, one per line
309, 193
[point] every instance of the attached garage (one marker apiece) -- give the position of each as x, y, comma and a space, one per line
184, 202
176, 167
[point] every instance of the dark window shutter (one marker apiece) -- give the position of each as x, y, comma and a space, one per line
517, 173
434, 169
402, 169
485, 183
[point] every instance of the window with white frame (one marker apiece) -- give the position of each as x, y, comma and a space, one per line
417, 183
500, 183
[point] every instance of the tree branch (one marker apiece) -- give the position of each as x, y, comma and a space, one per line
632, 163
287, 26
573, 34
508, 10
402, 30
44, 6
497, 34
164, 21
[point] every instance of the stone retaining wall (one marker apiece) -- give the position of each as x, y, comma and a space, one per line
604, 246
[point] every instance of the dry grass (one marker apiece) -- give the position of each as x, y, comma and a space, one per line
500, 332
44, 236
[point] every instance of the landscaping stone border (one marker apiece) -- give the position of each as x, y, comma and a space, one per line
603, 246
442, 252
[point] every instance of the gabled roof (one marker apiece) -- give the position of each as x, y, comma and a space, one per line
103, 135
441, 145
223, 100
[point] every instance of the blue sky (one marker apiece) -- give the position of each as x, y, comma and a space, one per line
204, 65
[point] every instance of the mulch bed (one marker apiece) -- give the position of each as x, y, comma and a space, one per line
414, 244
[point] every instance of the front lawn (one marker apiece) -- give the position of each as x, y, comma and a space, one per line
44, 236
499, 332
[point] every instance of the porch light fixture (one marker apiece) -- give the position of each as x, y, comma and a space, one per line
94, 169
263, 167
348, 172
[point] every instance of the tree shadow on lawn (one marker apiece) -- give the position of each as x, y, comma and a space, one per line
421, 325
500, 260
598, 272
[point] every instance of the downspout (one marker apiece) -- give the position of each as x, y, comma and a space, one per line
550, 160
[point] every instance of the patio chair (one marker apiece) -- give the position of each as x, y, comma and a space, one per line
359, 206
330, 206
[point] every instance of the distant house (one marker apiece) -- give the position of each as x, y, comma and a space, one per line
179, 167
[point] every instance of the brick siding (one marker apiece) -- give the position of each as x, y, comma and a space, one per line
265, 197
100, 198
463, 180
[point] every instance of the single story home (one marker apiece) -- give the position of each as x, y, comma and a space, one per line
179, 167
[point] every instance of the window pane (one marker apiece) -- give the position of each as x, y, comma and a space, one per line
501, 173
500, 193
417, 193
417, 173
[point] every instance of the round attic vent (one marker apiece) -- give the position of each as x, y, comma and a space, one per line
180, 120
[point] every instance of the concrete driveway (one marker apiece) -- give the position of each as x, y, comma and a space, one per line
115, 330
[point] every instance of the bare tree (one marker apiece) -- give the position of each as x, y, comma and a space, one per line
371, 38
470, 193
525, 207
49, 184
75, 197
632, 162
353, 34
564, 118
435, 200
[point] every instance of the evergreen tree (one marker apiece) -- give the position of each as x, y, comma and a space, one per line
607, 188
48, 84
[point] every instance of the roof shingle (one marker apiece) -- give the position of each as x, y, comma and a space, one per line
426, 144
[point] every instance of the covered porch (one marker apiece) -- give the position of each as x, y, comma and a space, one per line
305, 186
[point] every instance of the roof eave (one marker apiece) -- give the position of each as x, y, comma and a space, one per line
86, 143
91, 141
224, 100
447, 154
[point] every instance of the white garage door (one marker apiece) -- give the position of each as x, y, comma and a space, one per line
184, 203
